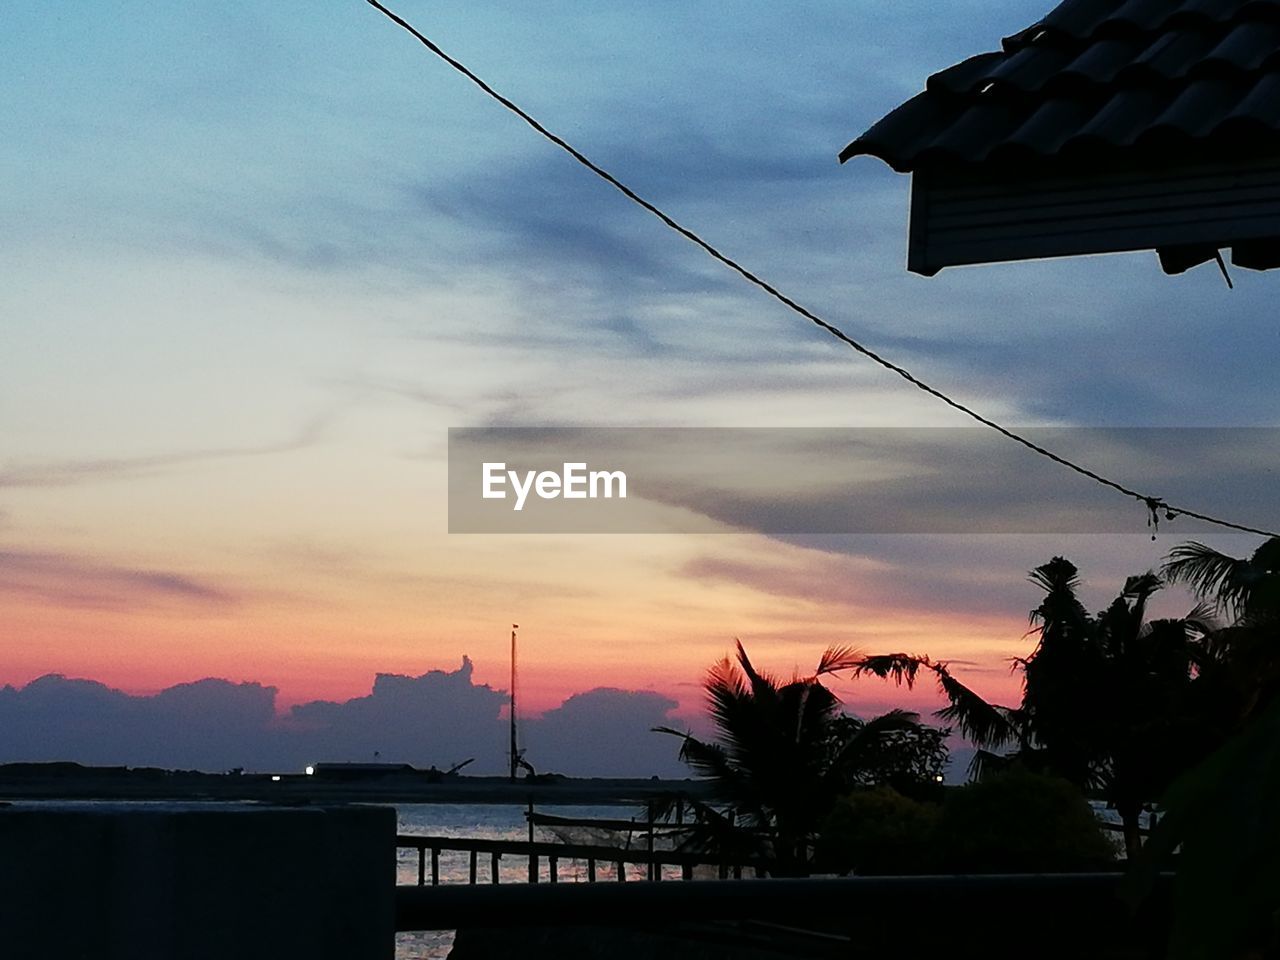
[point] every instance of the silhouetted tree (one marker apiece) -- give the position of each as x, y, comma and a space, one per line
910, 758
1223, 815
782, 758
1245, 589
1107, 700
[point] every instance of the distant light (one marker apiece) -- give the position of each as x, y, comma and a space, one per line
276, 778
311, 771
938, 778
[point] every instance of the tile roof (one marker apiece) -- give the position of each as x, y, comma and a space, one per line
1098, 75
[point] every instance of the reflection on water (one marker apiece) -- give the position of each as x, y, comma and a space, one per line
489, 822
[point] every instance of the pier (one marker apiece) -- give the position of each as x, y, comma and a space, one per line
485, 857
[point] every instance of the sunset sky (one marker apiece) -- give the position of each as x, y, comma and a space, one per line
258, 258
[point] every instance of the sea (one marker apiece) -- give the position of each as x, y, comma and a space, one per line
506, 822
484, 821
488, 821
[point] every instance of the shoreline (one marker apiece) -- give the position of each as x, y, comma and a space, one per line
72, 782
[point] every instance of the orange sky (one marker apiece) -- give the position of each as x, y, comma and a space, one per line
247, 293
636, 612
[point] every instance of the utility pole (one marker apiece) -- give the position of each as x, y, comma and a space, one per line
515, 752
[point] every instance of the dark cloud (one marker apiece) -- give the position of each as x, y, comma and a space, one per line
945, 577
840, 584
545, 224
888, 480
202, 725
439, 718
1138, 349
606, 732
1134, 349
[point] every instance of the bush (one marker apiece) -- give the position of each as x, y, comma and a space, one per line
878, 831
1020, 822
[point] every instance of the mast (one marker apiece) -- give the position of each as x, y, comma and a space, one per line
515, 753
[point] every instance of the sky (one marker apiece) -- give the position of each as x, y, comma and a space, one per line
259, 258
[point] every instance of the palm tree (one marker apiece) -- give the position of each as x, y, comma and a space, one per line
1220, 815
1150, 721
1105, 698
1240, 665
778, 764
1245, 589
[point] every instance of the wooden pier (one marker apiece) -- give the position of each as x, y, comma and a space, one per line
486, 855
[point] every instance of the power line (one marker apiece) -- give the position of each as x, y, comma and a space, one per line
1155, 505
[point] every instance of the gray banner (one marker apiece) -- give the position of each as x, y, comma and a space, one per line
880, 480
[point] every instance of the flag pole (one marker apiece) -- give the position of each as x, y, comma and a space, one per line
515, 753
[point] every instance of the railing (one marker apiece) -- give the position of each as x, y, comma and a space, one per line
1072, 902
429, 849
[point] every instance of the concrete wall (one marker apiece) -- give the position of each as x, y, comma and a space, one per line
185, 881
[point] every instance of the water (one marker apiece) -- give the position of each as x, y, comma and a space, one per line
490, 822
506, 822
494, 822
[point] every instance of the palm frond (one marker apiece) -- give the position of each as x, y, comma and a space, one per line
717, 831
1058, 574
900, 667
835, 659
1138, 590
1142, 586
811, 705
729, 701
762, 684
982, 722
985, 724
1211, 575
986, 763
707, 759
868, 733
1199, 622
1201, 619
895, 719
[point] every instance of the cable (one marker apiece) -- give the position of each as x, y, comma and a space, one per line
1154, 505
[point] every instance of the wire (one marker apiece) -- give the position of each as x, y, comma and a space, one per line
1155, 505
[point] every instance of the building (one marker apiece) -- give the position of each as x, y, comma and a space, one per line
1109, 125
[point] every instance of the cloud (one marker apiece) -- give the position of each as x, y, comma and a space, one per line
919, 582
1137, 351
203, 725
606, 732
411, 184
62, 473
63, 580
892, 480
437, 719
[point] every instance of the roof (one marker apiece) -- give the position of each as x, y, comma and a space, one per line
1099, 75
